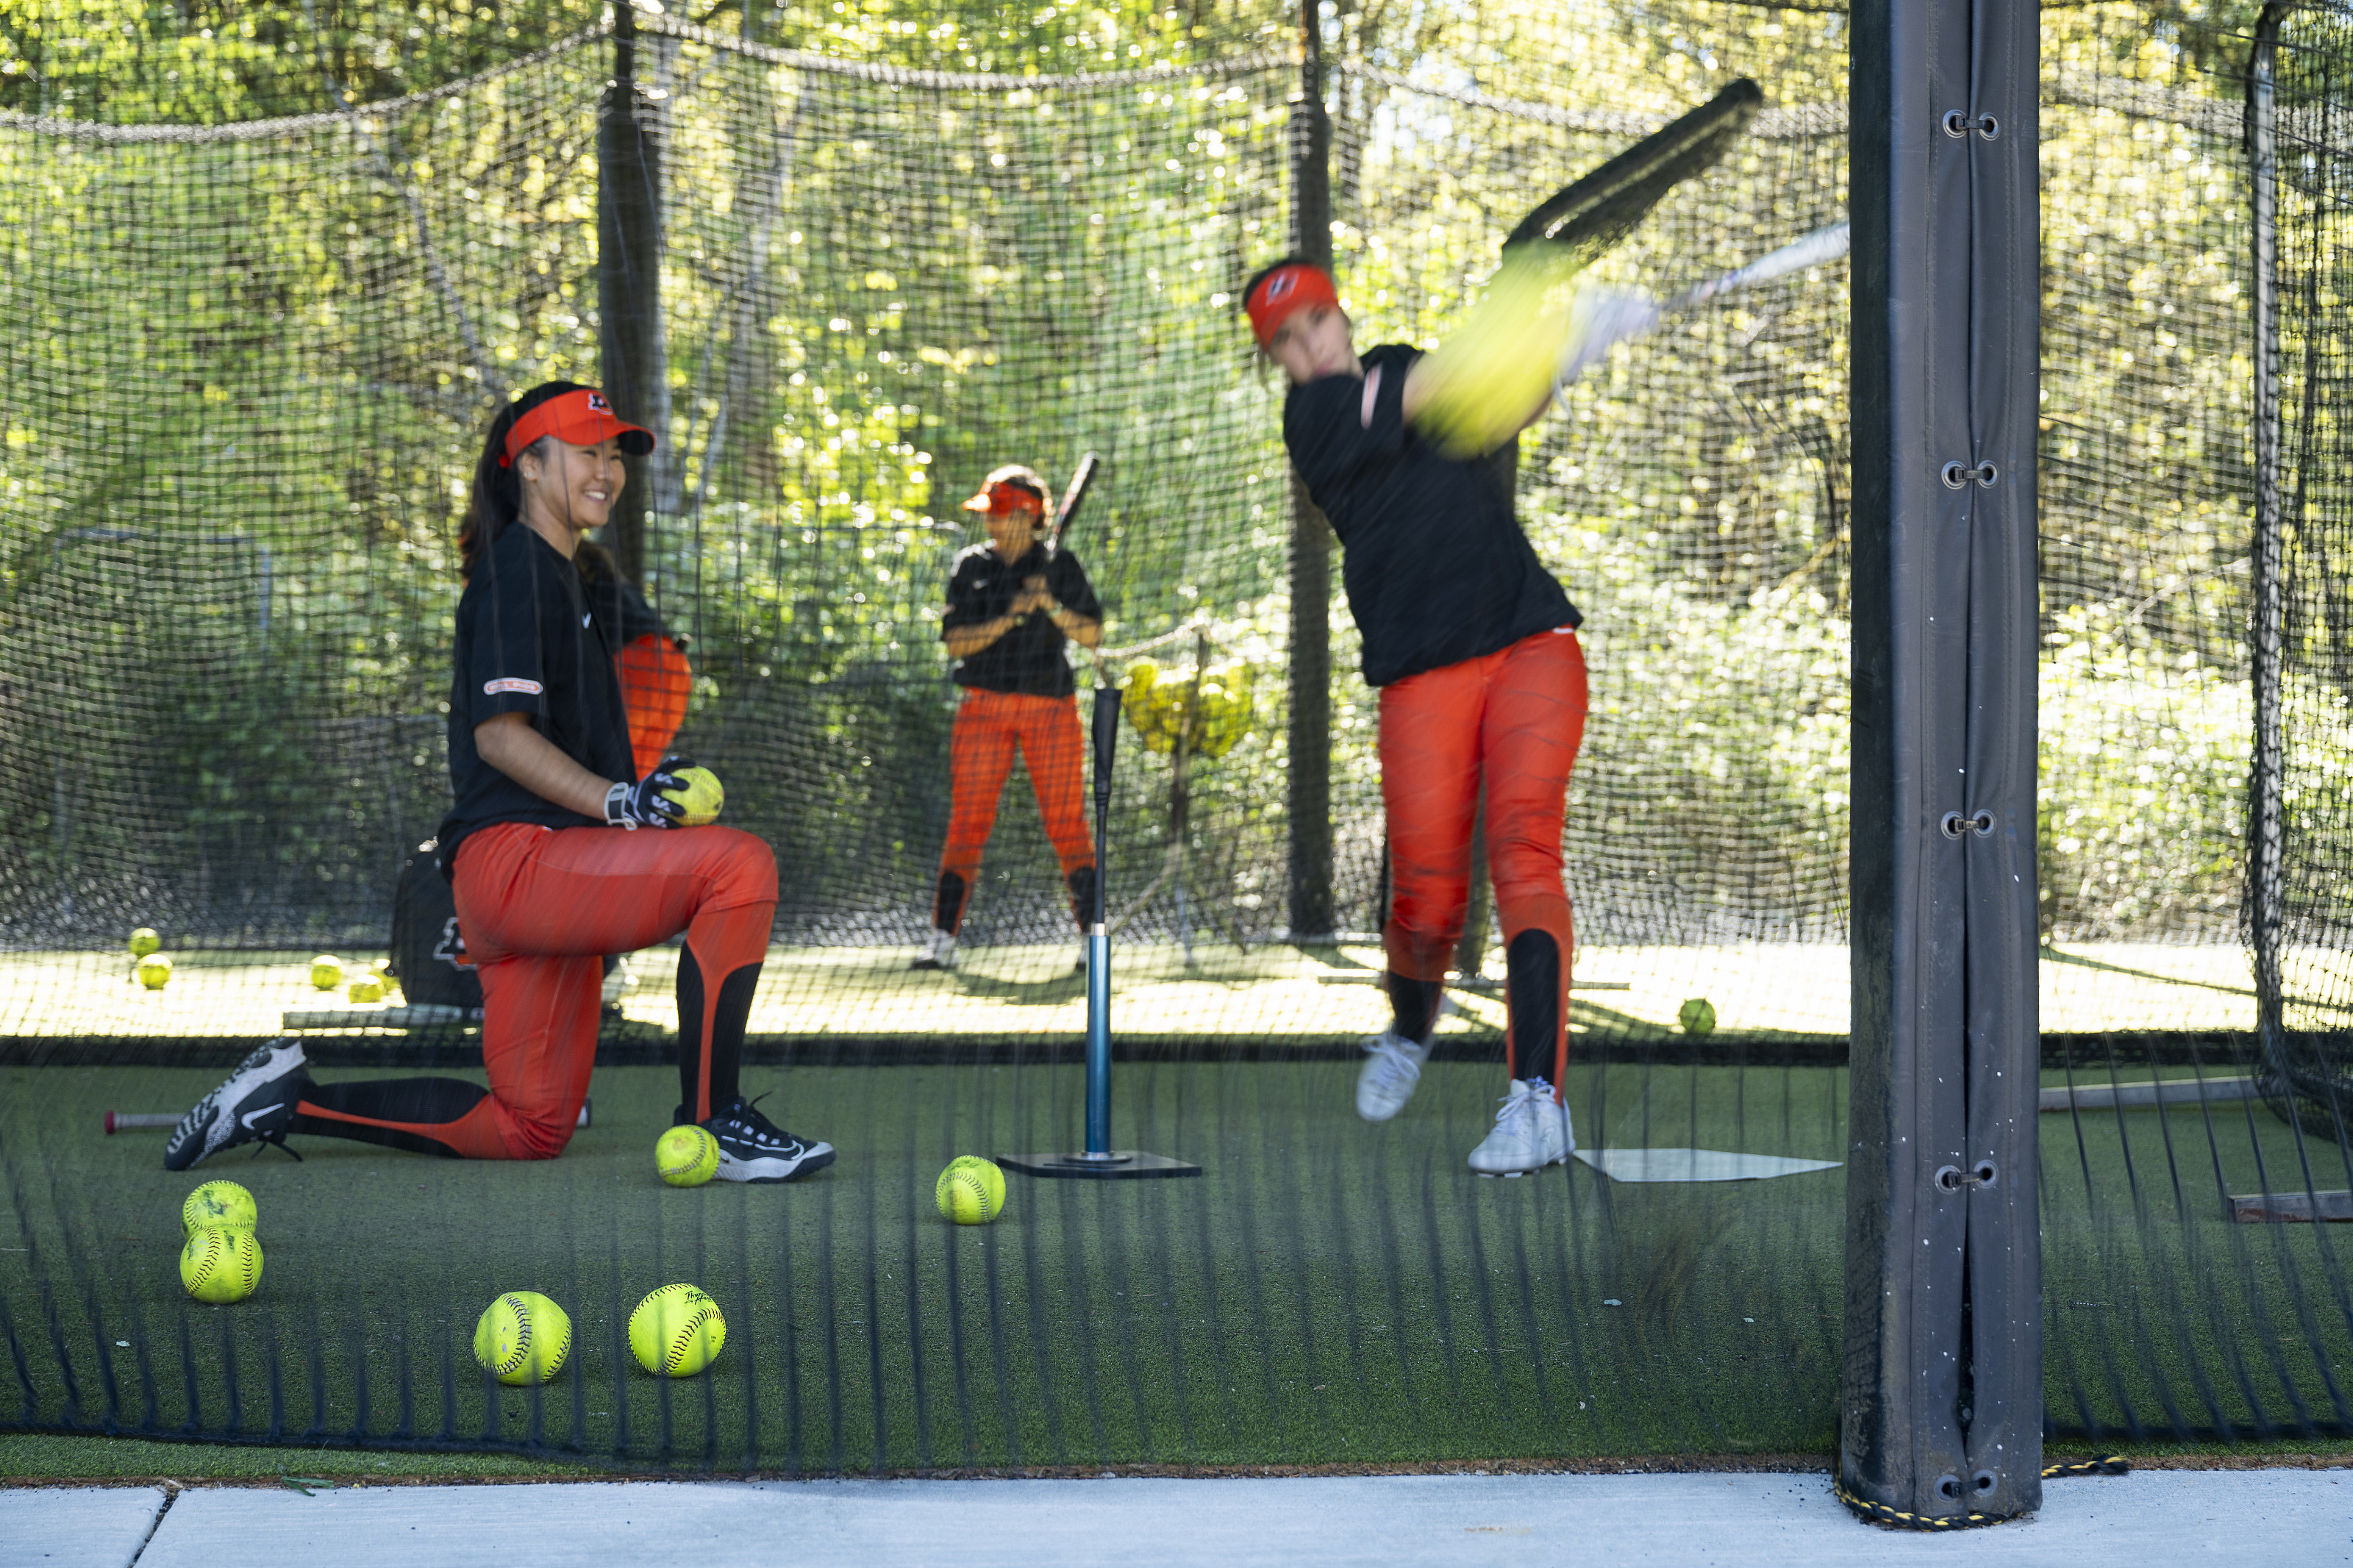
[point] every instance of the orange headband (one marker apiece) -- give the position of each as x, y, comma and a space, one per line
1282, 292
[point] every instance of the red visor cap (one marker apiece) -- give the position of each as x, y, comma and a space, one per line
1285, 291
582, 418
1001, 495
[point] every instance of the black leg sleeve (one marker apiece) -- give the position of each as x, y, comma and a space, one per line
1413, 1007
722, 1056
1535, 961
400, 1112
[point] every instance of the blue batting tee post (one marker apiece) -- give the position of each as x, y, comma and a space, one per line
1106, 737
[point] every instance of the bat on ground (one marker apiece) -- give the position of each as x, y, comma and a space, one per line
131, 1120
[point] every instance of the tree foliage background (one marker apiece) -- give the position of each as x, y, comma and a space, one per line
935, 287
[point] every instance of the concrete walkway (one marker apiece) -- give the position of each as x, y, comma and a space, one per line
2279, 1519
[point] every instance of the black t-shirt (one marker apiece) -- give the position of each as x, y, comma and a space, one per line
1029, 659
621, 611
528, 644
1436, 568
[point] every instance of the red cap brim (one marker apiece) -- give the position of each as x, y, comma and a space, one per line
580, 419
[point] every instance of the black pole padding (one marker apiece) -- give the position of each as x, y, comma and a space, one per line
1941, 1402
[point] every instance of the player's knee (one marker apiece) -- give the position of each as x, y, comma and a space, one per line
746, 868
540, 1134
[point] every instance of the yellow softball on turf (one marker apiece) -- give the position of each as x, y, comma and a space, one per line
144, 941
218, 1205
154, 972
686, 1156
523, 1338
221, 1266
326, 971
971, 1191
368, 987
676, 1331
703, 797
1698, 1016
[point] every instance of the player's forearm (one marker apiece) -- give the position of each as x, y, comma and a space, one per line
964, 641
1080, 629
510, 744
1416, 396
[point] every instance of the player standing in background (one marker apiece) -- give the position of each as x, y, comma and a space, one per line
1012, 605
543, 855
1473, 647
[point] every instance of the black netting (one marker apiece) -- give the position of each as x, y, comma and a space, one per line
246, 372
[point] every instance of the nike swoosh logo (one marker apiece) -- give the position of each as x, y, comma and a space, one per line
251, 1116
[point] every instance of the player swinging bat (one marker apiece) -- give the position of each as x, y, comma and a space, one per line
1013, 603
1471, 641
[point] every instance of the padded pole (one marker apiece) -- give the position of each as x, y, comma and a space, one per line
1941, 1405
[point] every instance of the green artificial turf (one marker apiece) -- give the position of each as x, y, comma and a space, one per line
1328, 1293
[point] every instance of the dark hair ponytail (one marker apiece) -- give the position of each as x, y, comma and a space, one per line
497, 497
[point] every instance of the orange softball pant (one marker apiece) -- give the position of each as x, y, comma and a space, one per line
539, 909
989, 727
1511, 721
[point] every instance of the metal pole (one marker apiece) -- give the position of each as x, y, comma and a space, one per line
2266, 857
628, 283
1308, 791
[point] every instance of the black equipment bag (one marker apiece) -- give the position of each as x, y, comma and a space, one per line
429, 957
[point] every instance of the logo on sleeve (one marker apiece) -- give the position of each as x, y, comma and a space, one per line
511, 683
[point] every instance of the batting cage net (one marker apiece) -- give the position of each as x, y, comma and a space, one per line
247, 372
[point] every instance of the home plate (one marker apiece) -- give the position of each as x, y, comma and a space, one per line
1695, 1164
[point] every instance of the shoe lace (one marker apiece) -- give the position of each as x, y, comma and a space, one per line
1391, 1065
745, 1114
1520, 1104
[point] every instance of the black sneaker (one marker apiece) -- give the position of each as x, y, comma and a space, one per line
754, 1149
256, 1102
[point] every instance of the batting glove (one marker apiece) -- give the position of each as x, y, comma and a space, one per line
643, 803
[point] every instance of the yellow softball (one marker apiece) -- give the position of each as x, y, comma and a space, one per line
676, 1331
523, 1338
218, 1205
971, 1191
703, 797
221, 1266
686, 1156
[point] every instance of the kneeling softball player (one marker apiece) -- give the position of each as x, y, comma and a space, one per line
543, 852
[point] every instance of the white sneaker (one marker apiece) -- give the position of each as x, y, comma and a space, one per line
1531, 1132
1388, 1078
939, 952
